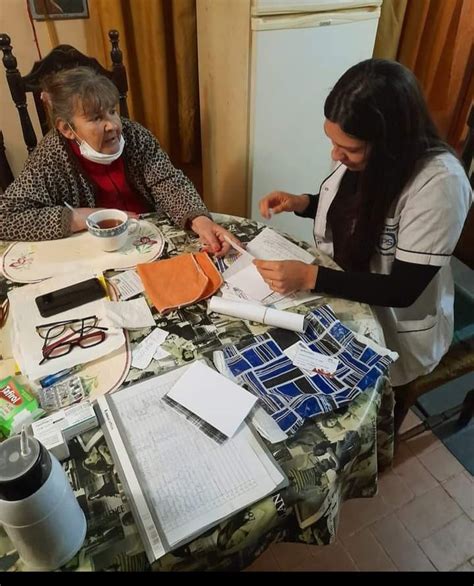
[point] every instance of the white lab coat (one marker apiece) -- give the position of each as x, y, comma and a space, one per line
422, 227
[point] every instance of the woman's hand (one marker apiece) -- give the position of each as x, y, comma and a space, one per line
212, 235
287, 276
281, 201
79, 217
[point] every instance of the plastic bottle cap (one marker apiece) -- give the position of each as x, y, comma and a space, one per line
23, 468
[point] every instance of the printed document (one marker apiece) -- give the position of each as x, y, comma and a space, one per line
243, 276
180, 481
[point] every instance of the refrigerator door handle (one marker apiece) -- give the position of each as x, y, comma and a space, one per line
313, 19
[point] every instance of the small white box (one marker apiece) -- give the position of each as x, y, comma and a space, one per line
53, 440
57, 429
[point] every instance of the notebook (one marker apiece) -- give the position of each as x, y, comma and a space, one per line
179, 481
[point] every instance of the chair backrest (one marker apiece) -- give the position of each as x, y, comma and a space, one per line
467, 155
61, 57
6, 175
464, 250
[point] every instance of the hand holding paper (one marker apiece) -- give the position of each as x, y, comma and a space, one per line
287, 276
246, 273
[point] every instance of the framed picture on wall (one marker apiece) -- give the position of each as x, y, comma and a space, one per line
58, 9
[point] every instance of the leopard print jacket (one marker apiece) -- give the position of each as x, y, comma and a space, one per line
32, 207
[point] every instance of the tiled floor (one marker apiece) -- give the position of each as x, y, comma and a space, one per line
421, 520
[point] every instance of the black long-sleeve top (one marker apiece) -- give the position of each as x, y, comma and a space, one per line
400, 288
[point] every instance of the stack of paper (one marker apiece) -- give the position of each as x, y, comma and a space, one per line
180, 482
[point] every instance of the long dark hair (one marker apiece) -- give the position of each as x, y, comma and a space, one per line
380, 102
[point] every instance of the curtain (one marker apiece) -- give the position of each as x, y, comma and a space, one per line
159, 44
390, 28
436, 43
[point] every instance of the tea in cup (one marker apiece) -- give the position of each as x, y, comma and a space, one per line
111, 228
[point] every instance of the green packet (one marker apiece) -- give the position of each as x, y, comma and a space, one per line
18, 407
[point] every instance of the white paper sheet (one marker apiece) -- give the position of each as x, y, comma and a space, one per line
133, 314
269, 245
248, 279
143, 353
27, 344
275, 300
128, 284
258, 313
228, 291
266, 426
313, 362
213, 397
160, 353
294, 299
291, 352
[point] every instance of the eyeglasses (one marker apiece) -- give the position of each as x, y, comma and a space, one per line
65, 345
85, 334
57, 328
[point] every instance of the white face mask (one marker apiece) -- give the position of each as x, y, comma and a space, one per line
92, 155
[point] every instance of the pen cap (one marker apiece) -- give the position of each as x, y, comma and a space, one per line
25, 465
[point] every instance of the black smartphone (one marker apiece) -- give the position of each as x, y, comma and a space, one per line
70, 297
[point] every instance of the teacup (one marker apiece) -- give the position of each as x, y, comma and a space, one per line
111, 228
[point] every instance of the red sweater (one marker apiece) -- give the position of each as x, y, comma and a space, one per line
111, 185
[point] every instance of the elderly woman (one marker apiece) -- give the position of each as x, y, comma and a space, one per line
94, 159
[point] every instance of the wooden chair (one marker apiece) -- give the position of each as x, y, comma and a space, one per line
61, 57
6, 175
459, 360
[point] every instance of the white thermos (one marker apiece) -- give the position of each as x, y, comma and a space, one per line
38, 508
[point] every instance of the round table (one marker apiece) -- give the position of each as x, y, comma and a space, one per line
332, 458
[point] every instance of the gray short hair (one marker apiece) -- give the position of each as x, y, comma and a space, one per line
68, 89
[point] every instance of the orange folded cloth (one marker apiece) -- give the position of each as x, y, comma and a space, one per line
180, 281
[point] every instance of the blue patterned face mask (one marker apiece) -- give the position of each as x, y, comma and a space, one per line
92, 155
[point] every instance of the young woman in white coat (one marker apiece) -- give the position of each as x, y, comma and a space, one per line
390, 214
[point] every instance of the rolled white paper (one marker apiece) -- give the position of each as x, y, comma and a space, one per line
259, 313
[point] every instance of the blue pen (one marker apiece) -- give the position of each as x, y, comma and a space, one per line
51, 379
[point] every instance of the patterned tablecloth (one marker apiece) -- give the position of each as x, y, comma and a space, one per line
330, 459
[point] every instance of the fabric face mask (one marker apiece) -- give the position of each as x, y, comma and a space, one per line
92, 155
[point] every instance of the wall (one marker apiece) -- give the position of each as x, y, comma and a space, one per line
15, 22
223, 95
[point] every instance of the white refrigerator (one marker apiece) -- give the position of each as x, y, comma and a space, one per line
265, 69
298, 57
